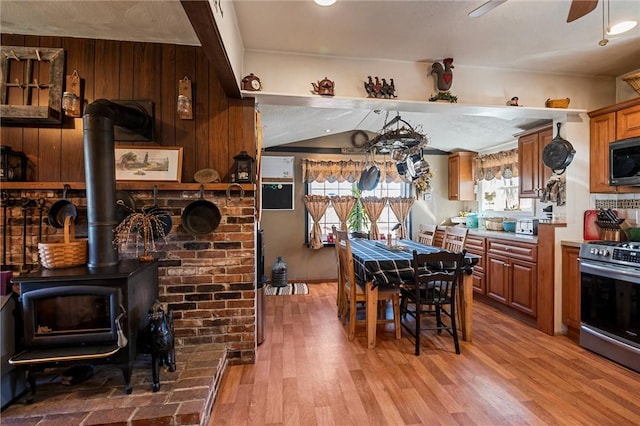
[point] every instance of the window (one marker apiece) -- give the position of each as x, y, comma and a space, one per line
387, 219
501, 195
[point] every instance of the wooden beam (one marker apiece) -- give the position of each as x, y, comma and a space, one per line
203, 23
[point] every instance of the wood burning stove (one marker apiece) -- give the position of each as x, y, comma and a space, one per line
80, 315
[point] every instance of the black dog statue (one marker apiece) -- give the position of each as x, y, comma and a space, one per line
160, 342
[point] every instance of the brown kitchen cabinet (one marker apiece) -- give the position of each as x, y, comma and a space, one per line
512, 274
461, 180
616, 122
533, 173
475, 245
571, 290
628, 123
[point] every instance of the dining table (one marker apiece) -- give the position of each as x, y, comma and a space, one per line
377, 262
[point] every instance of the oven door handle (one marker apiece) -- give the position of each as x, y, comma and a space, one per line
610, 270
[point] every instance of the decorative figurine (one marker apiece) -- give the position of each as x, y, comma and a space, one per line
513, 101
380, 90
252, 83
159, 336
444, 80
323, 87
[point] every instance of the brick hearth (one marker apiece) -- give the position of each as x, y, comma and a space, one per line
185, 397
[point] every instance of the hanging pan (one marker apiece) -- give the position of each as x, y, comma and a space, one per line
125, 205
558, 153
369, 177
200, 217
61, 209
163, 222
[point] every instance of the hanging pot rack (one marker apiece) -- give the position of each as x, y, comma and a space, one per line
403, 138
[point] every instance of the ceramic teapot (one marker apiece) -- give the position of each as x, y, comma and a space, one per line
323, 87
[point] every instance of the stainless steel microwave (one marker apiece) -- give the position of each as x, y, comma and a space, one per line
624, 162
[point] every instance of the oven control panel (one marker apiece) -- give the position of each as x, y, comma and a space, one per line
626, 255
614, 253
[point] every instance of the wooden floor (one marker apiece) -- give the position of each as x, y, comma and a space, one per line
308, 373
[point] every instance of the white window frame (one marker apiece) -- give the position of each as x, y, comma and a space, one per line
384, 189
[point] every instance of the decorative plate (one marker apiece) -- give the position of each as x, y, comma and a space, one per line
206, 176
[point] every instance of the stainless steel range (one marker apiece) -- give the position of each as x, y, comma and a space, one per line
610, 300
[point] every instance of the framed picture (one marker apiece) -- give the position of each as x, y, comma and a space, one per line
148, 163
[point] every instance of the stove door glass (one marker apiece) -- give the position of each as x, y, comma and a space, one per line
70, 315
610, 299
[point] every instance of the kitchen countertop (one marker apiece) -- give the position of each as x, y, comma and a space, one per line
504, 235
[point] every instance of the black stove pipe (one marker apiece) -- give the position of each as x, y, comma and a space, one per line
99, 166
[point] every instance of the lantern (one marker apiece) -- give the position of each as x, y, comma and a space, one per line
13, 165
243, 168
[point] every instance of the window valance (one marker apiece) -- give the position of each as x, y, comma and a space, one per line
345, 170
499, 164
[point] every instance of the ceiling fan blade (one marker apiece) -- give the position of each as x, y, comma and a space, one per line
579, 8
485, 8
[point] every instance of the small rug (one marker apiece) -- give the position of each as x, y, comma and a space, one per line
289, 289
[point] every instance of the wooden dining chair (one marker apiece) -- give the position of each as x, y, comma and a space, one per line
433, 291
426, 234
455, 238
340, 298
354, 291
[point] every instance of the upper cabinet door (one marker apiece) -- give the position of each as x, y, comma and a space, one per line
528, 162
628, 123
603, 132
461, 180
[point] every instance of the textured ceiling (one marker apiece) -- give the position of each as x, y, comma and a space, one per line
519, 34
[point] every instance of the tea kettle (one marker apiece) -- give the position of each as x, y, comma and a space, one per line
323, 87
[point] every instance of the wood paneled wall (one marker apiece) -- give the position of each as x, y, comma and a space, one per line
221, 128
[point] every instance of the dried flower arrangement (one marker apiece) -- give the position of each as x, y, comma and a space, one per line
423, 183
146, 226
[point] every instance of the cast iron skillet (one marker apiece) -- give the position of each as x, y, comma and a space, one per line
200, 217
558, 153
61, 209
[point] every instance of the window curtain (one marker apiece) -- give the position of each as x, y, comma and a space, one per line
373, 207
401, 207
346, 170
317, 206
343, 205
499, 164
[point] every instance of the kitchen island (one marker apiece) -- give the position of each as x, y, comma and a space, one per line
510, 275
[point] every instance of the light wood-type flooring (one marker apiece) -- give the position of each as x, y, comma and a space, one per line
308, 373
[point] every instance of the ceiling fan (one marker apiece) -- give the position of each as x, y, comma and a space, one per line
578, 8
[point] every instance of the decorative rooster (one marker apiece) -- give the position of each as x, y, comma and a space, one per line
444, 75
444, 80
368, 86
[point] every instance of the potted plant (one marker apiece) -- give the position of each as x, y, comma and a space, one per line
358, 220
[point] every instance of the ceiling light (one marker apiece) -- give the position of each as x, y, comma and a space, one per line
324, 2
621, 27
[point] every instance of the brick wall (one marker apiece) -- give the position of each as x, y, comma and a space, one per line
208, 281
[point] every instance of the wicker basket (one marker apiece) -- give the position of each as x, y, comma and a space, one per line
557, 103
494, 223
634, 81
70, 253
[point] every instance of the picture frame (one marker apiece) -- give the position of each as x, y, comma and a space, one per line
148, 163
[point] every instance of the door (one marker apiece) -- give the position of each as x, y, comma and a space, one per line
523, 286
498, 272
529, 165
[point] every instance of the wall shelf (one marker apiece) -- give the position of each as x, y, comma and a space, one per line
142, 186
